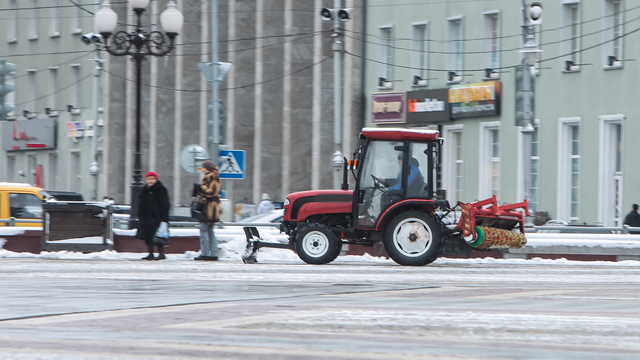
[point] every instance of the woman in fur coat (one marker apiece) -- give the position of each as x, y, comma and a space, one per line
210, 191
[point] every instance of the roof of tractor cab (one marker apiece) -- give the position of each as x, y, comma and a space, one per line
400, 134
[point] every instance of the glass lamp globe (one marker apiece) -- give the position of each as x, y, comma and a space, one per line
139, 4
171, 19
106, 19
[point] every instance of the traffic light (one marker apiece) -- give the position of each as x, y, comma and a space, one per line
5, 88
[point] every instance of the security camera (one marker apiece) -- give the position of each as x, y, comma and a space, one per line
327, 14
534, 13
92, 38
96, 39
344, 14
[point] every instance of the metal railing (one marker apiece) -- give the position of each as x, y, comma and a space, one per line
13, 221
576, 229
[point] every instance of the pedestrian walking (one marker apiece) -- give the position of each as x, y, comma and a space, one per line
633, 218
265, 205
153, 209
210, 191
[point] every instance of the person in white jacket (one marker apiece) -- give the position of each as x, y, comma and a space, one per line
265, 205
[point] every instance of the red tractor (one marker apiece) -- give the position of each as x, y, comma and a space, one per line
394, 202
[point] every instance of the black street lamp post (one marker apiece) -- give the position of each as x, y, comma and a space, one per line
138, 44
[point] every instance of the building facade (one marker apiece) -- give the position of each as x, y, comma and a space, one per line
456, 63
277, 98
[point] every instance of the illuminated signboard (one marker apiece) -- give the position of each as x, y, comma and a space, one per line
388, 108
473, 100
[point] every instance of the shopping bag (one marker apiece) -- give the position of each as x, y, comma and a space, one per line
162, 234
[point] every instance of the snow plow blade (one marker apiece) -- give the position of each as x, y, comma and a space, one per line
254, 243
485, 225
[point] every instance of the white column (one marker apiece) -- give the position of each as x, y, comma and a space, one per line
317, 98
129, 115
257, 124
286, 102
177, 122
153, 97
204, 85
347, 120
231, 76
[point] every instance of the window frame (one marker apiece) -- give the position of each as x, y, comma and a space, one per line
565, 173
571, 36
385, 56
487, 160
419, 53
609, 32
455, 48
491, 43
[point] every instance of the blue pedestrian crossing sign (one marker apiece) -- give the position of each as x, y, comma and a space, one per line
232, 165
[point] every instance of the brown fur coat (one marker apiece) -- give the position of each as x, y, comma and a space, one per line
210, 190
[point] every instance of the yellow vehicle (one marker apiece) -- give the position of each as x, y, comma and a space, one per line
21, 204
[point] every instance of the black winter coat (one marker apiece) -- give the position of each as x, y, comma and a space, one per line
153, 208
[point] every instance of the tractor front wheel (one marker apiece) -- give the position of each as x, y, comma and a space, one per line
317, 244
414, 238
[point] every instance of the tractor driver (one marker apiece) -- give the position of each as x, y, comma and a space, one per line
415, 180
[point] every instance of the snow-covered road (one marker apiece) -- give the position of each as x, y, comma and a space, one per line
113, 306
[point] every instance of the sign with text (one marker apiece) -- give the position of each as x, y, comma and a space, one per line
389, 107
36, 134
428, 106
473, 100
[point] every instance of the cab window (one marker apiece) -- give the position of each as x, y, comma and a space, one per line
25, 206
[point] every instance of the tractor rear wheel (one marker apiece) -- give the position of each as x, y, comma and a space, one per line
414, 238
317, 244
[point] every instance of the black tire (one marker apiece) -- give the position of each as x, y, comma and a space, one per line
414, 238
317, 244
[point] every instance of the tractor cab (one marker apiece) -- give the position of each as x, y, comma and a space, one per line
393, 168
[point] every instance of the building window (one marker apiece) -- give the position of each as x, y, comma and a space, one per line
12, 22
419, 54
54, 27
535, 171
32, 168
491, 45
76, 21
610, 170
52, 99
575, 171
490, 160
75, 92
33, 21
75, 176
53, 171
32, 90
11, 168
570, 42
612, 49
454, 49
10, 98
568, 197
385, 56
453, 163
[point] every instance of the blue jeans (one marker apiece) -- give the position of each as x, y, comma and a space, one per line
208, 241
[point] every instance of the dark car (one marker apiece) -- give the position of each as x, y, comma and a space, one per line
65, 195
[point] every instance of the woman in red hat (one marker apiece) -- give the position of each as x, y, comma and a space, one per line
153, 208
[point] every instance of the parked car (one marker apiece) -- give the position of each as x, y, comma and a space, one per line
21, 204
560, 226
65, 195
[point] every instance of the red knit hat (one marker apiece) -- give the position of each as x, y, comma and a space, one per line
151, 173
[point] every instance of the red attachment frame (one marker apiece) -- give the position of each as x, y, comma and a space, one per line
472, 211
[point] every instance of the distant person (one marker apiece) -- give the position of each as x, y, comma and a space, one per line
633, 218
153, 208
210, 190
265, 205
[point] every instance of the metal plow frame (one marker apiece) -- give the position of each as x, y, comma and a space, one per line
498, 216
254, 243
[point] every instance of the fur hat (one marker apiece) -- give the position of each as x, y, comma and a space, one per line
151, 173
208, 164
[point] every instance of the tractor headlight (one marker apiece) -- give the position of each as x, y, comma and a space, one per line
286, 202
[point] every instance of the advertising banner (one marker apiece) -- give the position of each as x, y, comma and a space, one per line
428, 106
473, 100
33, 134
388, 108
